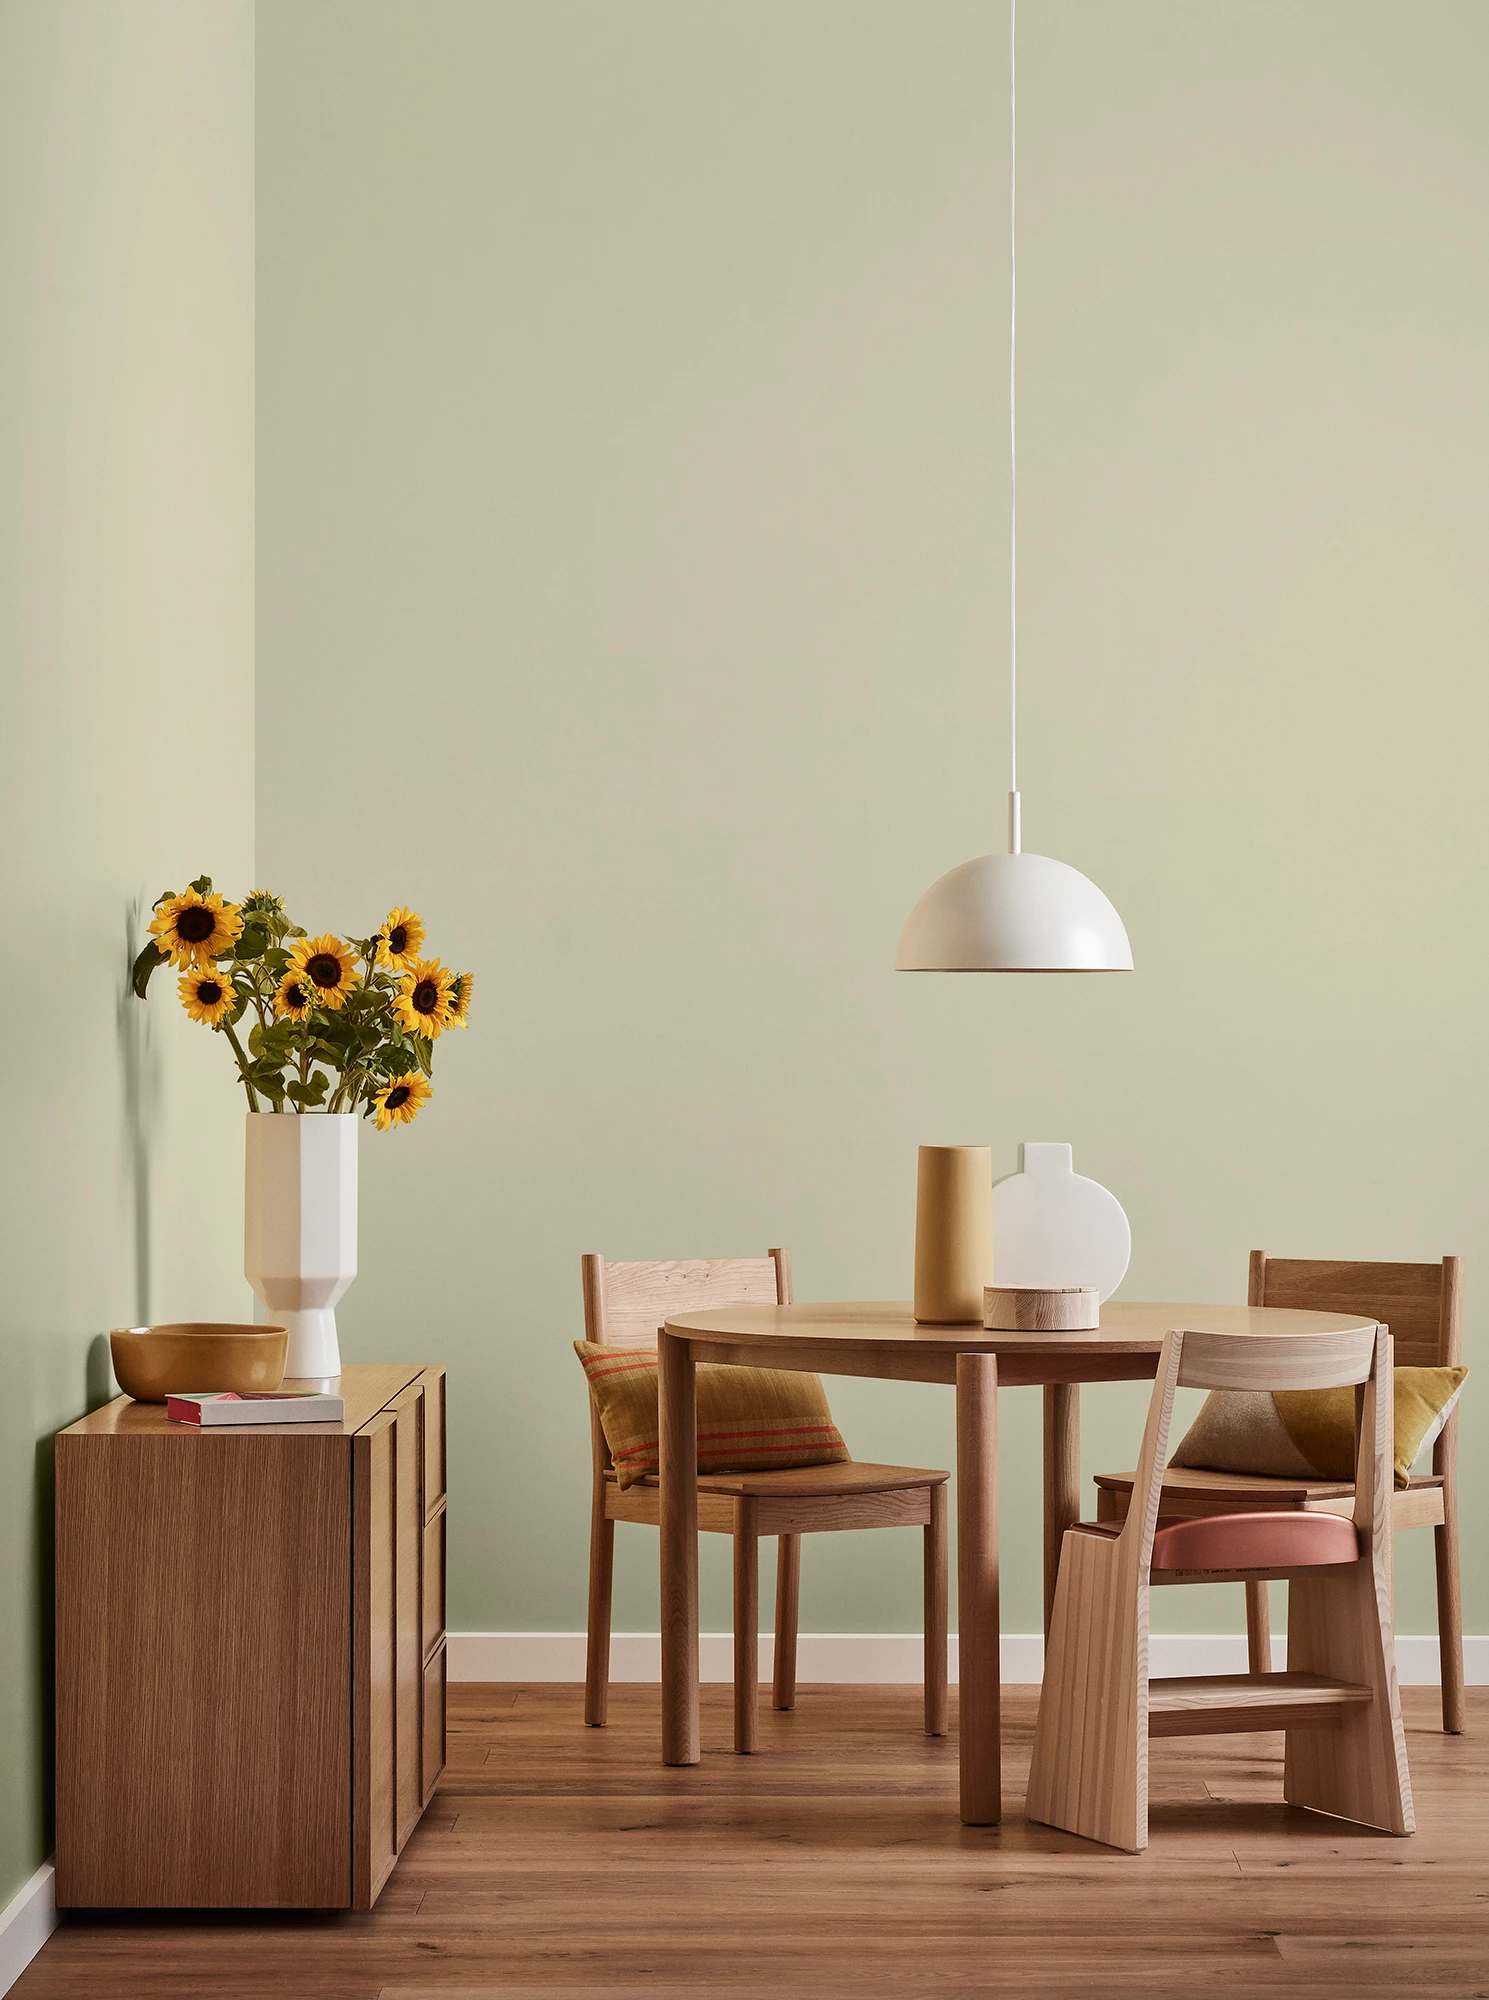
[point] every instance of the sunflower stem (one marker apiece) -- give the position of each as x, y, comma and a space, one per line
227, 1029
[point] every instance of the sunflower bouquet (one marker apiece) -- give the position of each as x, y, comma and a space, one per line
336, 1023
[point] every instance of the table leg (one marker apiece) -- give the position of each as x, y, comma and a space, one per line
1062, 1478
677, 1375
979, 1689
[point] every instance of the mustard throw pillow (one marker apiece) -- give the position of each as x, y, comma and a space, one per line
749, 1419
1310, 1433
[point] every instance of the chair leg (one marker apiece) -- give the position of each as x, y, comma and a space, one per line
1340, 1626
1450, 1611
1089, 1770
597, 1643
788, 1593
936, 1600
746, 1625
1258, 1629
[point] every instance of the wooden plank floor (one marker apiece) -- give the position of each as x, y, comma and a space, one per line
557, 1861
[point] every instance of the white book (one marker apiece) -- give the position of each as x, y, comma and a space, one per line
278, 1406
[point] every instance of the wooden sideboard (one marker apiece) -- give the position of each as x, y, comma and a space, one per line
250, 1650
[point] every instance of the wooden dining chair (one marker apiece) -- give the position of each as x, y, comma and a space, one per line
624, 1306
1338, 1700
1421, 1304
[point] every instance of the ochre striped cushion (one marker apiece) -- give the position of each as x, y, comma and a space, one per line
749, 1419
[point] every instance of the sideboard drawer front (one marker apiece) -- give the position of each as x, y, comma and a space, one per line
434, 1438
434, 1723
434, 1582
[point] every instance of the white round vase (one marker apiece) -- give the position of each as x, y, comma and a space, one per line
300, 1227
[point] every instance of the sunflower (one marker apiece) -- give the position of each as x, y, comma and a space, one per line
460, 999
294, 998
423, 1003
193, 930
400, 940
397, 1103
207, 995
326, 965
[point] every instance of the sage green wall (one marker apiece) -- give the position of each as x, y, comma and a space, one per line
126, 644
632, 602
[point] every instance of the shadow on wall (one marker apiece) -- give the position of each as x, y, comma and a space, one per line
140, 1082
139, 1074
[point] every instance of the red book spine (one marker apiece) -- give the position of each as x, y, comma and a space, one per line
182, 1410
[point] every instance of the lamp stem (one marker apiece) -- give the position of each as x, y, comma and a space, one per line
1014, 835
1013, 477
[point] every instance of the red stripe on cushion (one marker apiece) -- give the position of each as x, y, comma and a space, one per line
777, 1430
807, 1438
758, 1450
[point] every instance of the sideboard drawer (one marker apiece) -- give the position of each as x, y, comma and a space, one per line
434, 1722
434, 1582
434, 1438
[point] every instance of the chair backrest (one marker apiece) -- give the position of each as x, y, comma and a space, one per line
1198, 1360
624, 1304
1420, 1303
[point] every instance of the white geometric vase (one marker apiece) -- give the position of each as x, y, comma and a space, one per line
300, 1227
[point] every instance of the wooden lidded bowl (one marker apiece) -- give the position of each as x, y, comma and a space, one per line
1028, 1309
153, 1362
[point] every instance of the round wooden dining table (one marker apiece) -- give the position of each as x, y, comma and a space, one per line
884, 1341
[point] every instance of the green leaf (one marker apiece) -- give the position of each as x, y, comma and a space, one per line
313, 1092
397, 1062
252, 943
145, 964
425, 1052
202, 885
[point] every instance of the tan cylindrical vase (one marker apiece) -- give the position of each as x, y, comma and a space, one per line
953, 1234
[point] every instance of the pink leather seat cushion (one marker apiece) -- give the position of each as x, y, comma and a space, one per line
1255, 1541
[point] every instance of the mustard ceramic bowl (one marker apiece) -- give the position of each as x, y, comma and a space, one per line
153, 1362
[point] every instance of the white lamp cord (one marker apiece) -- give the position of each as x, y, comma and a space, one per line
1013, 482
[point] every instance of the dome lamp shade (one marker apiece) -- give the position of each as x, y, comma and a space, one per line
1013, 913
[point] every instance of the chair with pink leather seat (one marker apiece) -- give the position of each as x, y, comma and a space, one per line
1338, 1700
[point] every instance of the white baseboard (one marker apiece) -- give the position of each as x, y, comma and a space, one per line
880, 1658
26, 1922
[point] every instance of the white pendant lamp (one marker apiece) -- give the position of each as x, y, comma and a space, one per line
1013, 912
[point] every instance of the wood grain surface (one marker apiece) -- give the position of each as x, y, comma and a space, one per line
375, 1658
1025, 1309
203, 1669
250, 1651
363, 1389
562, 1862
1127, 1327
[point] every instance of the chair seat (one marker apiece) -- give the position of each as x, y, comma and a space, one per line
1186, 1487
823, 1481
1255, 1541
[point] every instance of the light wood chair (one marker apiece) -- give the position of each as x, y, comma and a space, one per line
624, 1306
1421, 1304
1338, 1701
